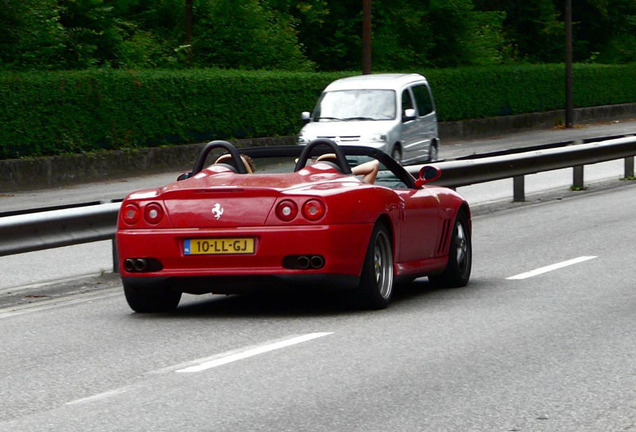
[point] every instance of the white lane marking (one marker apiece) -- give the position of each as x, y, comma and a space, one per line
205, 363
551, 268
236, 355
100, 396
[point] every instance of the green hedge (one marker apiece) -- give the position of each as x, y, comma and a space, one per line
50, 113
70, 112
480, 92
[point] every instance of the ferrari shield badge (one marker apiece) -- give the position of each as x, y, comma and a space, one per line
217, 211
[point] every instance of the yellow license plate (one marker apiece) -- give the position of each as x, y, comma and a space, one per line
219, 246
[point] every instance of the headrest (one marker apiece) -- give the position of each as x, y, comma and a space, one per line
331, 157
228, 160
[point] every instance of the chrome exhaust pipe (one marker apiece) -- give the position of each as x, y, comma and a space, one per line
317, 261
140, 264
129, 265
302, 262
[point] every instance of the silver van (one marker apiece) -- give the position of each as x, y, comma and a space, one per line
392, 112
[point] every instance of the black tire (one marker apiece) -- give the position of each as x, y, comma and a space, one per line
376, 281
396, 154
433, 152
460, 256
151, 297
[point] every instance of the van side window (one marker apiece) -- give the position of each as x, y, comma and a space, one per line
423, 99
407, 103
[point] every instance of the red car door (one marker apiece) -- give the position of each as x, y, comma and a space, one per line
421, 224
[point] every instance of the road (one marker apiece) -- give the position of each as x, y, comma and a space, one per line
515, 350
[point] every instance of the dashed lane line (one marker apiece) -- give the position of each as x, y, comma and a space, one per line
233, 356
206, 363
550, 268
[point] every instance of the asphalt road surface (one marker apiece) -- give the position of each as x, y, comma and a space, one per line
542, 339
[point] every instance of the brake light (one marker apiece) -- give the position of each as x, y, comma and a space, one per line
153, 213
314, 209
286, 210
130, 213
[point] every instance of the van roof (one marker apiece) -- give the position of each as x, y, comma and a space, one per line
392, 81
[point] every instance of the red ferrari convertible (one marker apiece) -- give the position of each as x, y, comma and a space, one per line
287, 216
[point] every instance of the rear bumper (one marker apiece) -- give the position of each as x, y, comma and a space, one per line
343, 248
244, 284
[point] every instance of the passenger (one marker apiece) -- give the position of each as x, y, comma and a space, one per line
368, 170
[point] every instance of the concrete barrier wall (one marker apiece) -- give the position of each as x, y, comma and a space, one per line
56, 171
471, 129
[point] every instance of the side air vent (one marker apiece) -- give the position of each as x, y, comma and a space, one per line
444, 238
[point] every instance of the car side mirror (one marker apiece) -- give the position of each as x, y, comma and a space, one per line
428, 174
185, 175
408, 115
306, 116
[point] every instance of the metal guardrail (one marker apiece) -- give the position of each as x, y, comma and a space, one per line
39, 230
458, 173
56, 228
56, 207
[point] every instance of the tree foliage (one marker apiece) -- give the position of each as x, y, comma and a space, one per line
303, 35
32, 36
234, 35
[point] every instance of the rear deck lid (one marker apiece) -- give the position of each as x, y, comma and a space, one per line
220, 207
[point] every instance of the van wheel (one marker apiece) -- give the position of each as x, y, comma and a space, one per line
397, 154
433, 153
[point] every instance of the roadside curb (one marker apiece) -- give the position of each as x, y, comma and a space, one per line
480, 128
39, 294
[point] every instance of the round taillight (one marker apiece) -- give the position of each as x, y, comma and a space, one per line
153, 213
313, 209
286, 210
130, 214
